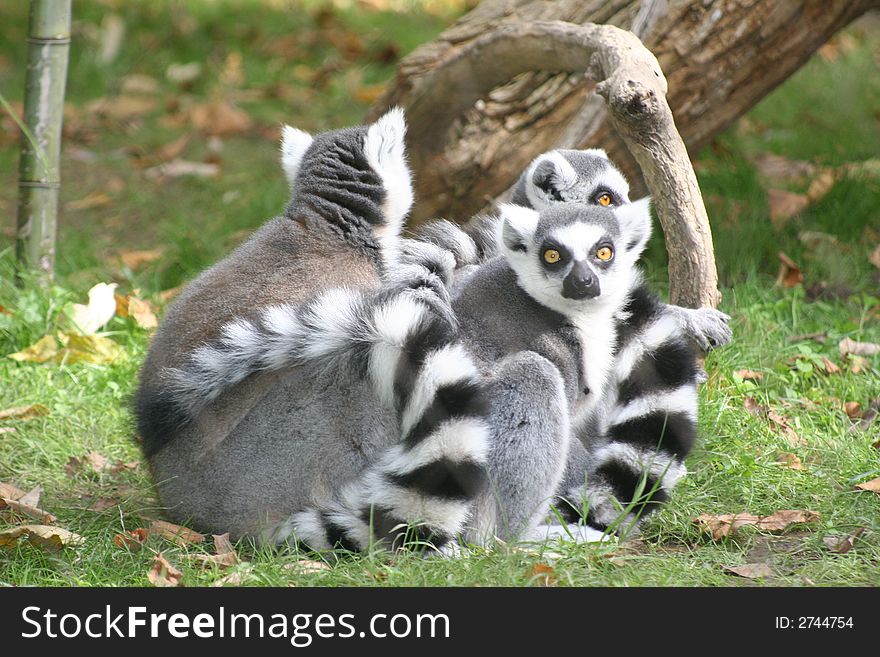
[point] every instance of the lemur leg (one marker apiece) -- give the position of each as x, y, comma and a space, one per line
528, 414
707, 327
633, 455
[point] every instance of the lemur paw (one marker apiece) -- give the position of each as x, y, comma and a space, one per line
707, 327
435, 259
571, 532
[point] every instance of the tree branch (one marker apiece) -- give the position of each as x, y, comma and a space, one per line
630, 80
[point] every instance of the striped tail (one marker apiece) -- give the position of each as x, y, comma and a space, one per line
423, 487
403, 341
649, 422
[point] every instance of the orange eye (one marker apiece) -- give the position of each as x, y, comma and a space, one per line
551, 256
605, 254
604, 199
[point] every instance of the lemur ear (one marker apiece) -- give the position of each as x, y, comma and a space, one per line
385, 149
547, 176
635, 225
294, 144
516, 227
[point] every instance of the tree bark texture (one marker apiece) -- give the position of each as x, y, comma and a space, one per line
39, 177
493, 91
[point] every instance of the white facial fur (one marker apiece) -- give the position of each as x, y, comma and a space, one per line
575, 184
385, 149
517, 229
294, 144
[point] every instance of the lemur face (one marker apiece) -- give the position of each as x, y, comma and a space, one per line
571, 176
573, 257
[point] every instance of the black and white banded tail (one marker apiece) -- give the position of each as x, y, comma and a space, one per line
405, 347
649, 422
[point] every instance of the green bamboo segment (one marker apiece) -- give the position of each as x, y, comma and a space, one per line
39, 176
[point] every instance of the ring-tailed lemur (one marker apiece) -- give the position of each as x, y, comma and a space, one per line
561, 176
333, 455
566, 290
589, 387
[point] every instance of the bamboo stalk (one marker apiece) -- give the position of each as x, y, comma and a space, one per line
39, 176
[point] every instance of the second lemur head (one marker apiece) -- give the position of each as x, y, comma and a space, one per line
575, 258
571, 176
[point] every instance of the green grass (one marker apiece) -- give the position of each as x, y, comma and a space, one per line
197, 221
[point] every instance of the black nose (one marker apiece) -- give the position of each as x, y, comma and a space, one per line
581, 283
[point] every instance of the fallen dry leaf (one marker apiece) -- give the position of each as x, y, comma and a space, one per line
237, 578
41, 351
841, 543
821, 185
752, 406
219, 118
306, 567
32, 497
543, 574
6, 430
829, 367
848, 346
102, 504
748, 375
782, 424
857, 364
5, 311
174, 149
789, 460
167, 295
24, 412
183, 536
10, 492
873, 485
21, 509
750, 570
134, 260
93, 200
183, 74
73, 348
224, 554
178, 168
724, 525
820, 336
777, 169
43, 536
853, 410
162, 573
789, 274
874, 257
138, 83
132, 540
92, 460
784, 205
121, 108
142, 313
98, 311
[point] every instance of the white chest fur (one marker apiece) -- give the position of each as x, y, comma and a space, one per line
598, 338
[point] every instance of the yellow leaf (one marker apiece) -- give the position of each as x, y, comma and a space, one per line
94, 349
44, 349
